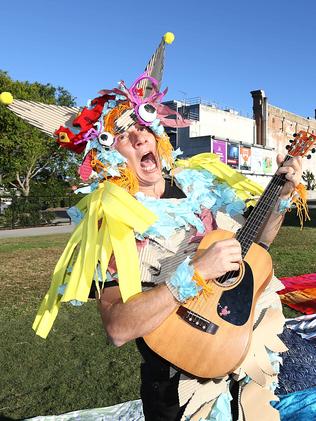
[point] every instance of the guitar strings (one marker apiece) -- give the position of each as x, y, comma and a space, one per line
249, 231
263, 204
270, 194
270, 191
266, 201
258, 216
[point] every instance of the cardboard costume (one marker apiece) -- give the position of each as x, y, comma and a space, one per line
149, 237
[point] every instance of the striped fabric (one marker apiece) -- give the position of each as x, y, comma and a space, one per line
160, 258
46, 117
305, 326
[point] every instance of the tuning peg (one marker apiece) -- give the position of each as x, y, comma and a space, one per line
295, 134
288, 147
291, 140
309, 156
313, 150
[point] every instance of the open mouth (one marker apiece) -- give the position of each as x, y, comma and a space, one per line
148, 162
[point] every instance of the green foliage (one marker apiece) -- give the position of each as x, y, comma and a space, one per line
24, 150
26, 211
35, 209
309, 178
36, 91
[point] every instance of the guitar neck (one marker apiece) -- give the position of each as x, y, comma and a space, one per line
259, 215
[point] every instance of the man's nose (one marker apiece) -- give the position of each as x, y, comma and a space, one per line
138, 138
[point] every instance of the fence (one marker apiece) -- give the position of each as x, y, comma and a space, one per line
21, 211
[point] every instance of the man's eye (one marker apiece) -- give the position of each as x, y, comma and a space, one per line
122, 136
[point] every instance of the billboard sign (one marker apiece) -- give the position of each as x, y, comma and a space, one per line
219, 148
233, 155
245, 158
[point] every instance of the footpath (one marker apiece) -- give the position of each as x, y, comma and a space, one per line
36, 231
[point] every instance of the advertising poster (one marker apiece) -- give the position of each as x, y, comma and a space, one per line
263, 161
268, 162
233, 155
219, 147
245, 158
257, 155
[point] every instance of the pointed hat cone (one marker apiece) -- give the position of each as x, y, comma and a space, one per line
155, 65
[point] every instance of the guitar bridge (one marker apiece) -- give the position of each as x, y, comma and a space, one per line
197, 321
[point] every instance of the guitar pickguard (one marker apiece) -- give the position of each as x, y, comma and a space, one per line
235, 304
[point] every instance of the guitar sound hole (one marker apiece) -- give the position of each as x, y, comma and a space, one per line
229, 278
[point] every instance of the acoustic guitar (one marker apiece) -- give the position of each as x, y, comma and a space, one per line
210, 334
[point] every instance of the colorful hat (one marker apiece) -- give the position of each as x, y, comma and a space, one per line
95, 129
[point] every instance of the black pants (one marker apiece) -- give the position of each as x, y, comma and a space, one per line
160, 396
158, 392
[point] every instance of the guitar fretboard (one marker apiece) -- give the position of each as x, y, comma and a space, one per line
248, 233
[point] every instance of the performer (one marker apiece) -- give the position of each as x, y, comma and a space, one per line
142, 314
138, 229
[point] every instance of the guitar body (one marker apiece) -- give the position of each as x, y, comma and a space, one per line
209, 336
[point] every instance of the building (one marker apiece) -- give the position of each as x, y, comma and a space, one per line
248, 144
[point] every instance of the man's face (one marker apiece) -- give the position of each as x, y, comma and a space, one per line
138, 145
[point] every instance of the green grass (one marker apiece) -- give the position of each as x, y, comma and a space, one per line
294, 251
75, 368
27, 243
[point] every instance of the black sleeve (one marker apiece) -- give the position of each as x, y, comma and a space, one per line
248, 211
93, 289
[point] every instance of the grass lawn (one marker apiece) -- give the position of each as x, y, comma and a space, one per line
75, 368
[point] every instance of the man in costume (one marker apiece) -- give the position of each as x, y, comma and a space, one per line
145, 312
138, 229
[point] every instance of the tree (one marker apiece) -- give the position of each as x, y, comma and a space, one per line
309, 178
25, 152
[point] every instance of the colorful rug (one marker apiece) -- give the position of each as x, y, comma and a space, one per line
300, 293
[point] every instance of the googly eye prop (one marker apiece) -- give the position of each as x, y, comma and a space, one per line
106, 140
146, 109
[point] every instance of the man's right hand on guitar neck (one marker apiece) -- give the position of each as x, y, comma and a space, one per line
220, 257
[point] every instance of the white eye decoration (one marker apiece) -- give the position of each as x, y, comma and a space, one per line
147, 112
106, 139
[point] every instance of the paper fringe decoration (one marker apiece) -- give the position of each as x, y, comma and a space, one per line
111, 216
243, 186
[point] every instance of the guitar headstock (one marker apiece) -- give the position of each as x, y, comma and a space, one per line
302, 144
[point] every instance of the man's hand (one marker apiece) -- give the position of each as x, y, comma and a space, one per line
293, 173
221, 257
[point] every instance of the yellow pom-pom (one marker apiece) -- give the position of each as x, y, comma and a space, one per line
168, 37
6, 98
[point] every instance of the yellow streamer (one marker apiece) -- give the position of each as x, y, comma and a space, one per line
244, 187
121, 215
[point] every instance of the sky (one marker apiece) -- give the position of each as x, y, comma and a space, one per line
223, 49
